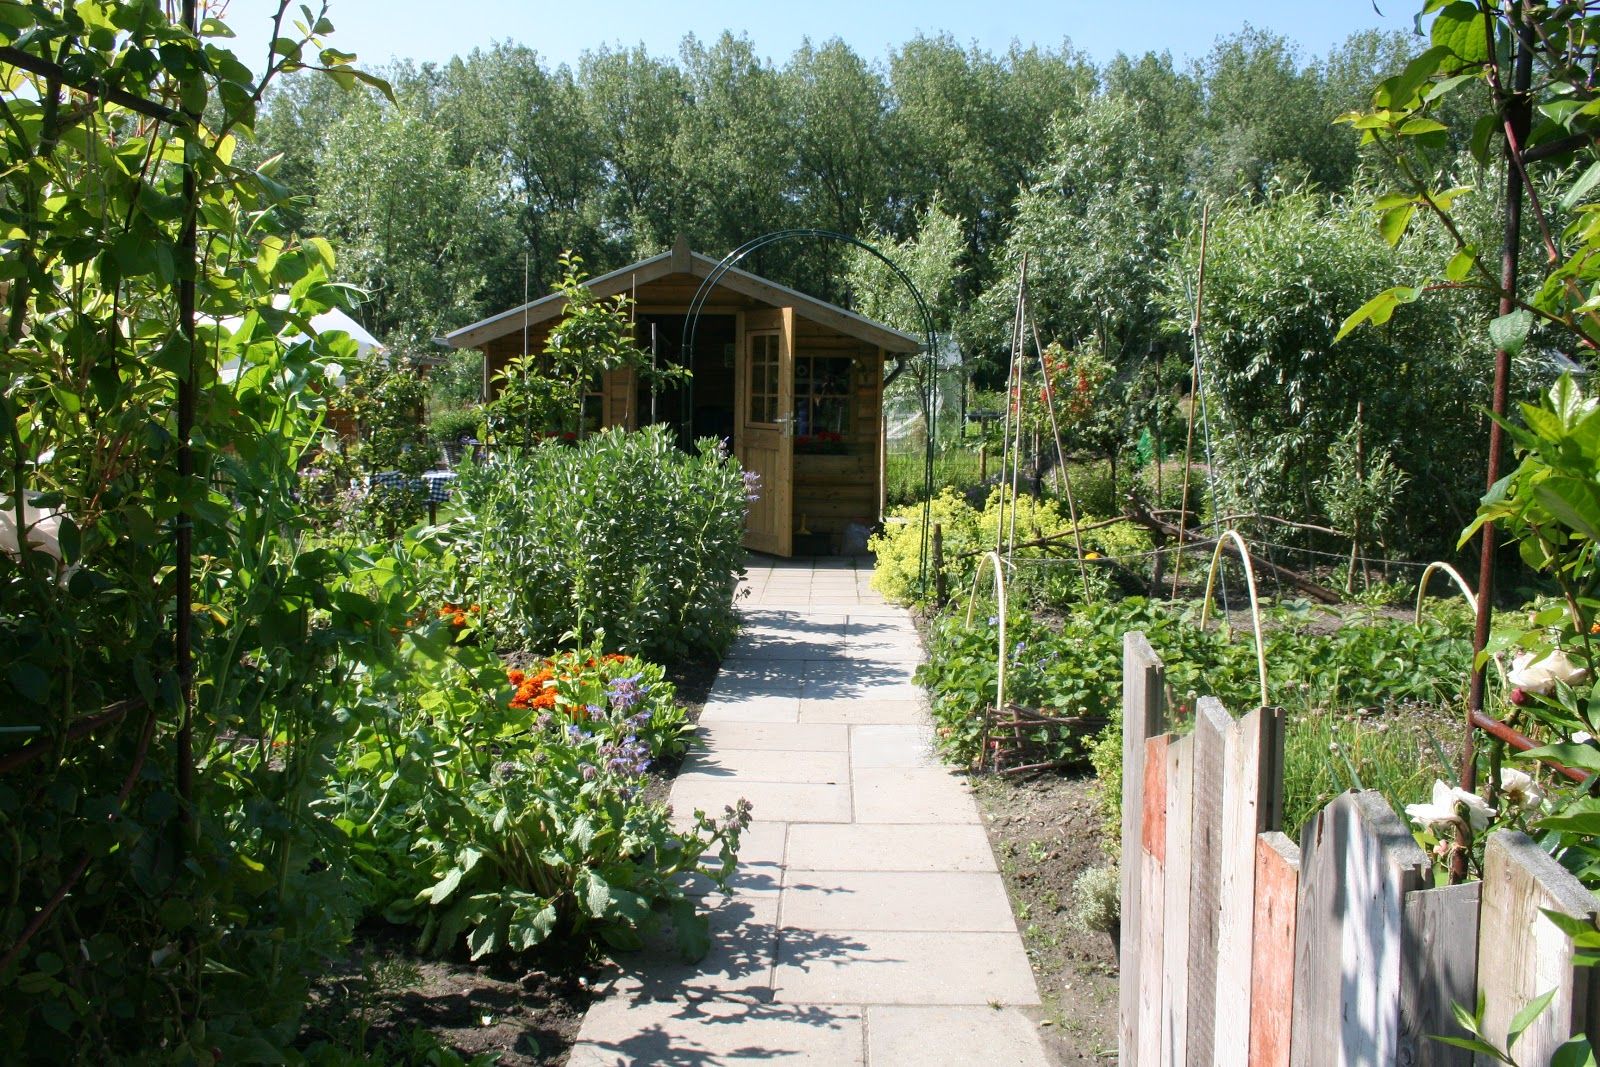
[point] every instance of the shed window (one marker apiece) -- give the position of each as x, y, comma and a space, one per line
764, 381
822, 394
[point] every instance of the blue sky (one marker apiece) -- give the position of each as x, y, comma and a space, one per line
379, 30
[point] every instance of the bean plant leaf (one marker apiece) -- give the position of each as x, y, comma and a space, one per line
1463, 29
1524, 1018
1394, 222
694, 932
1509, 332
1571, 753
1575, 1052
530, 926
1380, 309
1573, 502
594, 892
1581, 187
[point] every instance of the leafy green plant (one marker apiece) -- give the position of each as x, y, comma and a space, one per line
1574, 1053
623, 536
1044, 574
169, 875
540, 395
1072, 666
505, 808
451, 426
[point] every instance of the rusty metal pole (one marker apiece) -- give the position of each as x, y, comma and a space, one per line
183, 579
1516, 118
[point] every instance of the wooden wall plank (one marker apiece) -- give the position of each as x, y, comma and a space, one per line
1175, 939
1142, 695
1151, 851
1269, 1013
1250, 784
1212, 726
1439, 965
1531, 955
1358, 860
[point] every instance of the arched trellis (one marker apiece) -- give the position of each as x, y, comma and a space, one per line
930, 347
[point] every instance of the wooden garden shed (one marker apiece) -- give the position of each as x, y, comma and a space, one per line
793, 384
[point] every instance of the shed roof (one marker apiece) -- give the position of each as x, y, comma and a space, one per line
683, 260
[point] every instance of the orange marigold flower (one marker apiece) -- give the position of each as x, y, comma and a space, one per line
616, 657
515, 676
473, 609
459, 619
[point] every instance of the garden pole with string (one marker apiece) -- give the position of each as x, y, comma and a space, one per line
1194, 401
1516, 120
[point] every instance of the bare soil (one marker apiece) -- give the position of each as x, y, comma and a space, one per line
1045, 833
380, 997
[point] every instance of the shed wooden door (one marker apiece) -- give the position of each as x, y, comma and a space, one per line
765, 436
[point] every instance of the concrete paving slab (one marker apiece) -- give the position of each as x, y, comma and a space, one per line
621, 1032
877, 687
972, 901
783, 737
867, 891
766, 765
950, 1036
769, 649
861, 711
824, 676
896, 967
878, 653
770, 801
908, 795
888, 847
778, 709
901, 745
761, 850
740, 963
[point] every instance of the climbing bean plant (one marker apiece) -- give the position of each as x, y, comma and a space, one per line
158, 906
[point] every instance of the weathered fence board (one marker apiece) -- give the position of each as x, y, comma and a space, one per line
1240, 947
1151, 848
1358, 861
1142, 691
1251, 802
1530, 955
1212, 725
1439, 964
1175, 958
1269, 1013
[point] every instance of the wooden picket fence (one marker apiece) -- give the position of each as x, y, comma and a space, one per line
1240, 947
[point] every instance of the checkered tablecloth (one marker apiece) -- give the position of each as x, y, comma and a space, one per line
435, 484
438, 483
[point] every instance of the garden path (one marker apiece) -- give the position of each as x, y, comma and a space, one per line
867, 923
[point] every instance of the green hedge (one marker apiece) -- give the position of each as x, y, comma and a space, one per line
621, 535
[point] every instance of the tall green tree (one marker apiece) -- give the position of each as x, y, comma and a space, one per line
420, 235
1281, 276
636, 104
527, 126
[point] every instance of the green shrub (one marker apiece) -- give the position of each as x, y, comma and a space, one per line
1097, 899
505, 807
1092, 490
1073, 666
621, 538
1043, 575
450, 426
